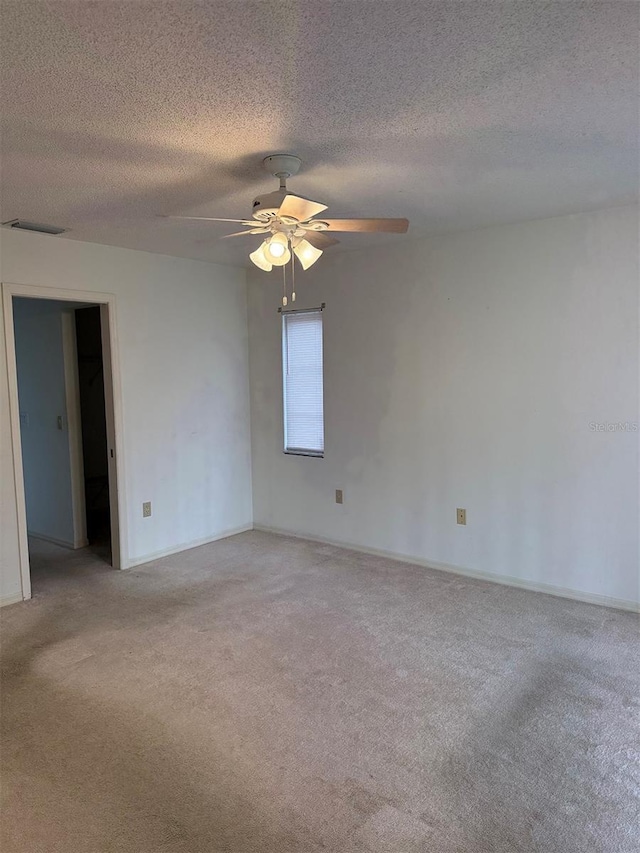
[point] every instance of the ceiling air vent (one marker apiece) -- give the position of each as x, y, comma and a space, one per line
23, 225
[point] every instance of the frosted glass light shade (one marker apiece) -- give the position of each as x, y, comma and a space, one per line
278, 244
260, 259
280, 262
276, 250
306, 253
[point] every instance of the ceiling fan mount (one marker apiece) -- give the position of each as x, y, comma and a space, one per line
288, 225
282, 165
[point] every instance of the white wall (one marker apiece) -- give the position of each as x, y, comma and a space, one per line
460, 371
465, 372
42, 395
184, 371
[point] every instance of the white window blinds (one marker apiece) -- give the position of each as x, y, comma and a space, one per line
302, 382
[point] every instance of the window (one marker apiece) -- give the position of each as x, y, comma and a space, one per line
302, 382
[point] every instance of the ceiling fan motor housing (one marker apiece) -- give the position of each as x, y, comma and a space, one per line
266, 206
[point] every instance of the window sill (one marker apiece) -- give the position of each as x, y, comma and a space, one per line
312, 453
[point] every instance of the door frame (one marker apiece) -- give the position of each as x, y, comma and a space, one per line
113, 412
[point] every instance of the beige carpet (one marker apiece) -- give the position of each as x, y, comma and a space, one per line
269, 694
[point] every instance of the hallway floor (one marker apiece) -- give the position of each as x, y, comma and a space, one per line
53, 566
265, 694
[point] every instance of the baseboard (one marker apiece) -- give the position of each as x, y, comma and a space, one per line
73, 546
5, 600
186, 546
504, 580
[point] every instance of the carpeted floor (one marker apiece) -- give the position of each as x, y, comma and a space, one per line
273, 695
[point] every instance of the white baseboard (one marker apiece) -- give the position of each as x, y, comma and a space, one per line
5, 600
504, 580
186, 546
62, 542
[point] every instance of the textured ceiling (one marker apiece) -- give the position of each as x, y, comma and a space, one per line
455, 114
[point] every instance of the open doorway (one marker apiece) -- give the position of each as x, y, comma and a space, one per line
64, 401
93, 419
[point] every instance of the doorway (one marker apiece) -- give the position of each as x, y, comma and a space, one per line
77, 432
93, 420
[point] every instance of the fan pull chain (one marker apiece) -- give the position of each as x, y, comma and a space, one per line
293, 277
284, 285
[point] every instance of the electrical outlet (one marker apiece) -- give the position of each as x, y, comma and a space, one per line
339, 496
146, 509
461, 516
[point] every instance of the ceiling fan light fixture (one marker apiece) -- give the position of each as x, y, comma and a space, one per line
276, 249
306, 253
278, 243
260, 259
281, 261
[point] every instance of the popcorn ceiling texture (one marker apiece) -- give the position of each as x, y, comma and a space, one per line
457, 115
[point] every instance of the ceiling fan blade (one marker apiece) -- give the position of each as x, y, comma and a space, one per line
300, 208
248, 231
320, 239
396, 226
209, 219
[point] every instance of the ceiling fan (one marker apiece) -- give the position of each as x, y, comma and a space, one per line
288, 224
